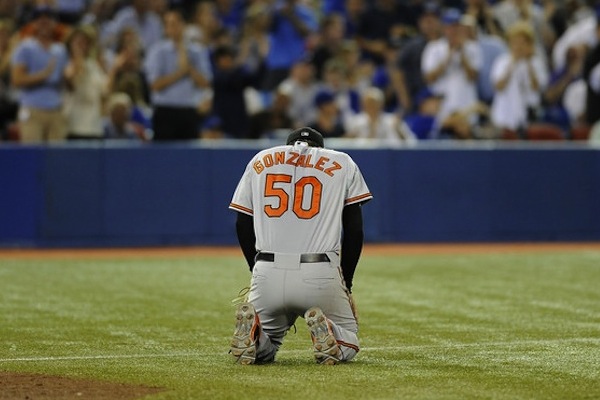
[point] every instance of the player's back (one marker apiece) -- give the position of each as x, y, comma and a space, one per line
298, 195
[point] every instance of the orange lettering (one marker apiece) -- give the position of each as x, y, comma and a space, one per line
279, 157
268, 160
292, 159
320, 162
307, 164
335, 167
301, 161
258, 167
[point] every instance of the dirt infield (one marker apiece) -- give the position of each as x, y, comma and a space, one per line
20, 386
370, 249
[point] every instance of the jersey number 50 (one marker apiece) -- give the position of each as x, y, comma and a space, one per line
273, 189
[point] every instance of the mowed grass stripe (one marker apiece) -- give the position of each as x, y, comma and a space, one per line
441, 326
283, 352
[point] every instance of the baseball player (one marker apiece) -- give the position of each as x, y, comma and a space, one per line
293, 203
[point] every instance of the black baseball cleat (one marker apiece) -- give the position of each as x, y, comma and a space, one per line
245, 336
326, 349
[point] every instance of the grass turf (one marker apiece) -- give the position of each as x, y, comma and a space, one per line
480, 326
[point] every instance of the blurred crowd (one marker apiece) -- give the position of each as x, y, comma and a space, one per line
397, 70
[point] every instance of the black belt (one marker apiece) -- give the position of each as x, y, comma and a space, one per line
304, 258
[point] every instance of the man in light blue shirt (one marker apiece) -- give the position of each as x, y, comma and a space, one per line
37, 71
180, 75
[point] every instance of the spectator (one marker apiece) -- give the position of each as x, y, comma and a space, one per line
389, 79
138, 17
253, 50
254, 41
573, 101
328, 120
421, 121
179, 74
8, 98
459, 124
274, 118
126, 75
331, 39
205, 26
374, 123
591, 74
409, 58
508, 12
87, 86
346, 97
582, 35
60, 30
291, 25
384, 24
491, 47
38, 65
562, 16
303, 85
451, 67
485, 21
100, 13
230, 81
353, 11
519, 77
212, 129
359, 70
553, 96
118, 124
231, 14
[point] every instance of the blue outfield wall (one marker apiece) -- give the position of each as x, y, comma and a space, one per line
148, 195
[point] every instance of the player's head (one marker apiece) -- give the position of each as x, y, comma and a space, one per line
308, 135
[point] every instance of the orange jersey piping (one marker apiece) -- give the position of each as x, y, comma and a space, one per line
243, 209
358, 198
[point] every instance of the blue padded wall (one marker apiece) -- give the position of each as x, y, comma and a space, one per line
148, 195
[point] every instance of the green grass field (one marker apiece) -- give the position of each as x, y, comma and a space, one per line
467, 326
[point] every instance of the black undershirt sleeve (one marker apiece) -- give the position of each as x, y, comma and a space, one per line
246, 237
352, 241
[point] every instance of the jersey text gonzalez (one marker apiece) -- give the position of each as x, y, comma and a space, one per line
296, 159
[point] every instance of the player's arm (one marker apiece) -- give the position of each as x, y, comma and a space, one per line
246, 237
352, 241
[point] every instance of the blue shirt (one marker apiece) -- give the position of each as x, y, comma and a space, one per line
35, 57
75, 6
287, 45
162, 60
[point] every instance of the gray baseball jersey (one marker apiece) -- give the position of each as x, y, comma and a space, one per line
296, 194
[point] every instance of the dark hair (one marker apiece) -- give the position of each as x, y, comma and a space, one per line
223, 51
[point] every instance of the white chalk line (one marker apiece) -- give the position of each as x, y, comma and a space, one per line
445, 345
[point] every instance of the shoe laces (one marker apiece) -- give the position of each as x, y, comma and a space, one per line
242, 297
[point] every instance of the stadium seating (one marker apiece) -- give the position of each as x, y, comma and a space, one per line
544, 132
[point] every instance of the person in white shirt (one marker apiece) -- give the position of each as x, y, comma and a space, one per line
374, 123
519, 78
450, 66
581, 35
302, 83
88, 86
